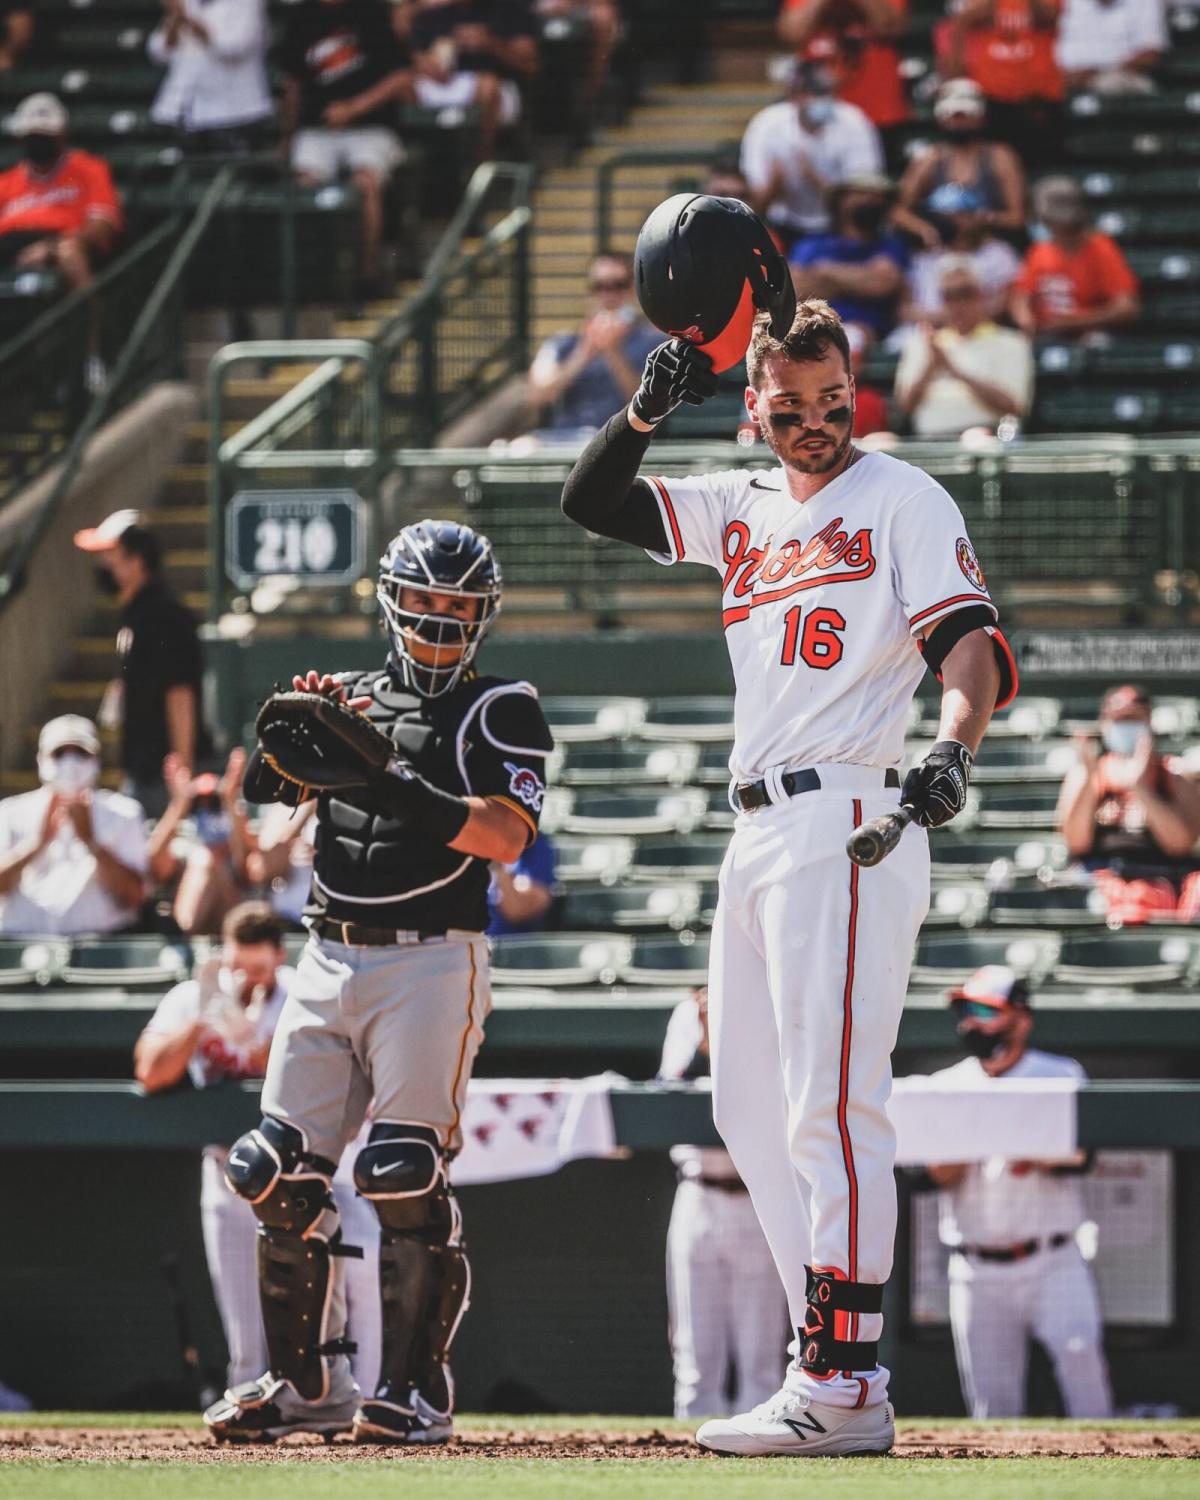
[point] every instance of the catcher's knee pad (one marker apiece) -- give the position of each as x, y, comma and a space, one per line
402, 1170
828, 1340
424, 1275
289, 1189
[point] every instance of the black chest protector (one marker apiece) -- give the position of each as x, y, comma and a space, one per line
367, 867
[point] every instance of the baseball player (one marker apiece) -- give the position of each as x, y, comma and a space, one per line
726, 1304
844, 575
1016, 1272
389, 1000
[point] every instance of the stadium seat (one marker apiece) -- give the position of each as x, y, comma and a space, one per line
992, 855
625, 763
646, 811
695, 858
1026, 719
26, 961
644, 908
573, 720
1047, 906
667, 961
718, 814
943, 960
1129, 959
1031, 808
957, 904
689, 719
592, 859
127, 962
713, 769
1019, 760
1086, 408
558, 959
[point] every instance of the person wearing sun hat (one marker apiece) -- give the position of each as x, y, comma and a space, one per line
156, 698
1016, 1270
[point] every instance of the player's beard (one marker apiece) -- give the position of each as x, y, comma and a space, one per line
780, 435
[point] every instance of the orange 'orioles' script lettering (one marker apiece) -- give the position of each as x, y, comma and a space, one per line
792, 566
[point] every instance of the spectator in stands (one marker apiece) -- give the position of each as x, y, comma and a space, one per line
215, 92
203, 840
1112, 46
1076, 282
856, 39
1007, 47
344, 73
1016, 1269
795, 151
968, 373
604, 25
1126, 813
521, 894
870, 405
58, 208
16, 33
282, 857
475, 52
858, 268
966, 159
73, 856
958, 215
156, 698
578, 379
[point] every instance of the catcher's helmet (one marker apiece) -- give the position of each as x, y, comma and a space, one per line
703, 267
437, 557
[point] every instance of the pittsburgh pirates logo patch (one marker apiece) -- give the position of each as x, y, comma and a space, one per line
525, 785
969, 564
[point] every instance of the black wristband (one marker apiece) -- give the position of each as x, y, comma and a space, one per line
424, 808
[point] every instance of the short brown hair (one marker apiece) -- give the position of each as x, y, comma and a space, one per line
814, 329
253, 922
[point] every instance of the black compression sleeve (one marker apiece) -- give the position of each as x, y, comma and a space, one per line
601, 492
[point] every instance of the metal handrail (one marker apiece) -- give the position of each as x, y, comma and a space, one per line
650, 156
14, 575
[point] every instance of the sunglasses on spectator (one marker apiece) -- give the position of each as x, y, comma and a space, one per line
978, 1010
612, 284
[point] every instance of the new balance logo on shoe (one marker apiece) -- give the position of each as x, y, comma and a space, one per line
804, 1427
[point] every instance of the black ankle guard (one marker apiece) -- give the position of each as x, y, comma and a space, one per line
820, 1352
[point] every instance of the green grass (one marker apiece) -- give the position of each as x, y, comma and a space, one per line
639, 1479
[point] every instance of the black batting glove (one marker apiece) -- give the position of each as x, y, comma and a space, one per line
937, 788
675, 371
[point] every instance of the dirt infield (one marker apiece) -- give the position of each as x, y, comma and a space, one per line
913, 1441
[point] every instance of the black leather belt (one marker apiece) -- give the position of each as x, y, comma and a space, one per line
751, 795
1011, 1253
354, 936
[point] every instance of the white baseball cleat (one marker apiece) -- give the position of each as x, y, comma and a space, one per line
791, 1424
262, 1410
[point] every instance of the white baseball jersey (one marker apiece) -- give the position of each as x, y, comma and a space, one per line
232, 1032
822, 601
995, 1207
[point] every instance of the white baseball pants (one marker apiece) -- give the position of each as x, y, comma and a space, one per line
726, 1303
996, 1309
808, 973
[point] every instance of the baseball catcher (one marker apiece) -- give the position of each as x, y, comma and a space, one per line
423, 773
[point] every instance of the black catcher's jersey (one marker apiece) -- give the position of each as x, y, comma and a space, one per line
485, 738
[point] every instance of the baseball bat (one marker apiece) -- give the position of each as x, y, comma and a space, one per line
202, 1388
873, 841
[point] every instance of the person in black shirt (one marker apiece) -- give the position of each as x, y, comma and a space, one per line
345, 71
475, 52
388, 1002
156, 698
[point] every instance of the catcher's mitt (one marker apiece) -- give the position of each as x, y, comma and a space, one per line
320, 743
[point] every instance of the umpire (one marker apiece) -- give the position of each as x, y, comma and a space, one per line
389, 1001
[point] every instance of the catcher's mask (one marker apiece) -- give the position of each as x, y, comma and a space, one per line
704, 267
438, 557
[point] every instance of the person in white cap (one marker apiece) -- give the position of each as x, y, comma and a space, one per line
156, 698
1016, 1270
58, 206
72, 855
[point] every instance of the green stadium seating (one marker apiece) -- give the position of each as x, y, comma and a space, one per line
592, 859
579, 720
688, 719
642, 908
132, 962
29, 961
568, 960
1091, 409
718, 814
660, 960
994, 855
1047, 906
625, 764
957, 904
1030, 808
642, 811
945, 959
696, 858
713, 769
1134, 960
79, 86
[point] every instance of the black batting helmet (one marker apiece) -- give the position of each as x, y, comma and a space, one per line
437, 557
703, 267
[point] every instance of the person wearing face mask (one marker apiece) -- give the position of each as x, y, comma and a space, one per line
73, 856
59, 209
1016, 1271
1076, 282
964, 158
1127, 815
795, 151
156, 699
859, 268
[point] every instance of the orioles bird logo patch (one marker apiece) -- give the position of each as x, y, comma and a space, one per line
969, 564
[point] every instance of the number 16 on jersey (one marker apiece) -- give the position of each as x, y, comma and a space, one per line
815, 637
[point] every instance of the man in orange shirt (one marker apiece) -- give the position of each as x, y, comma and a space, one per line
58, 207
1077, 281
856, 40
1007, 47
